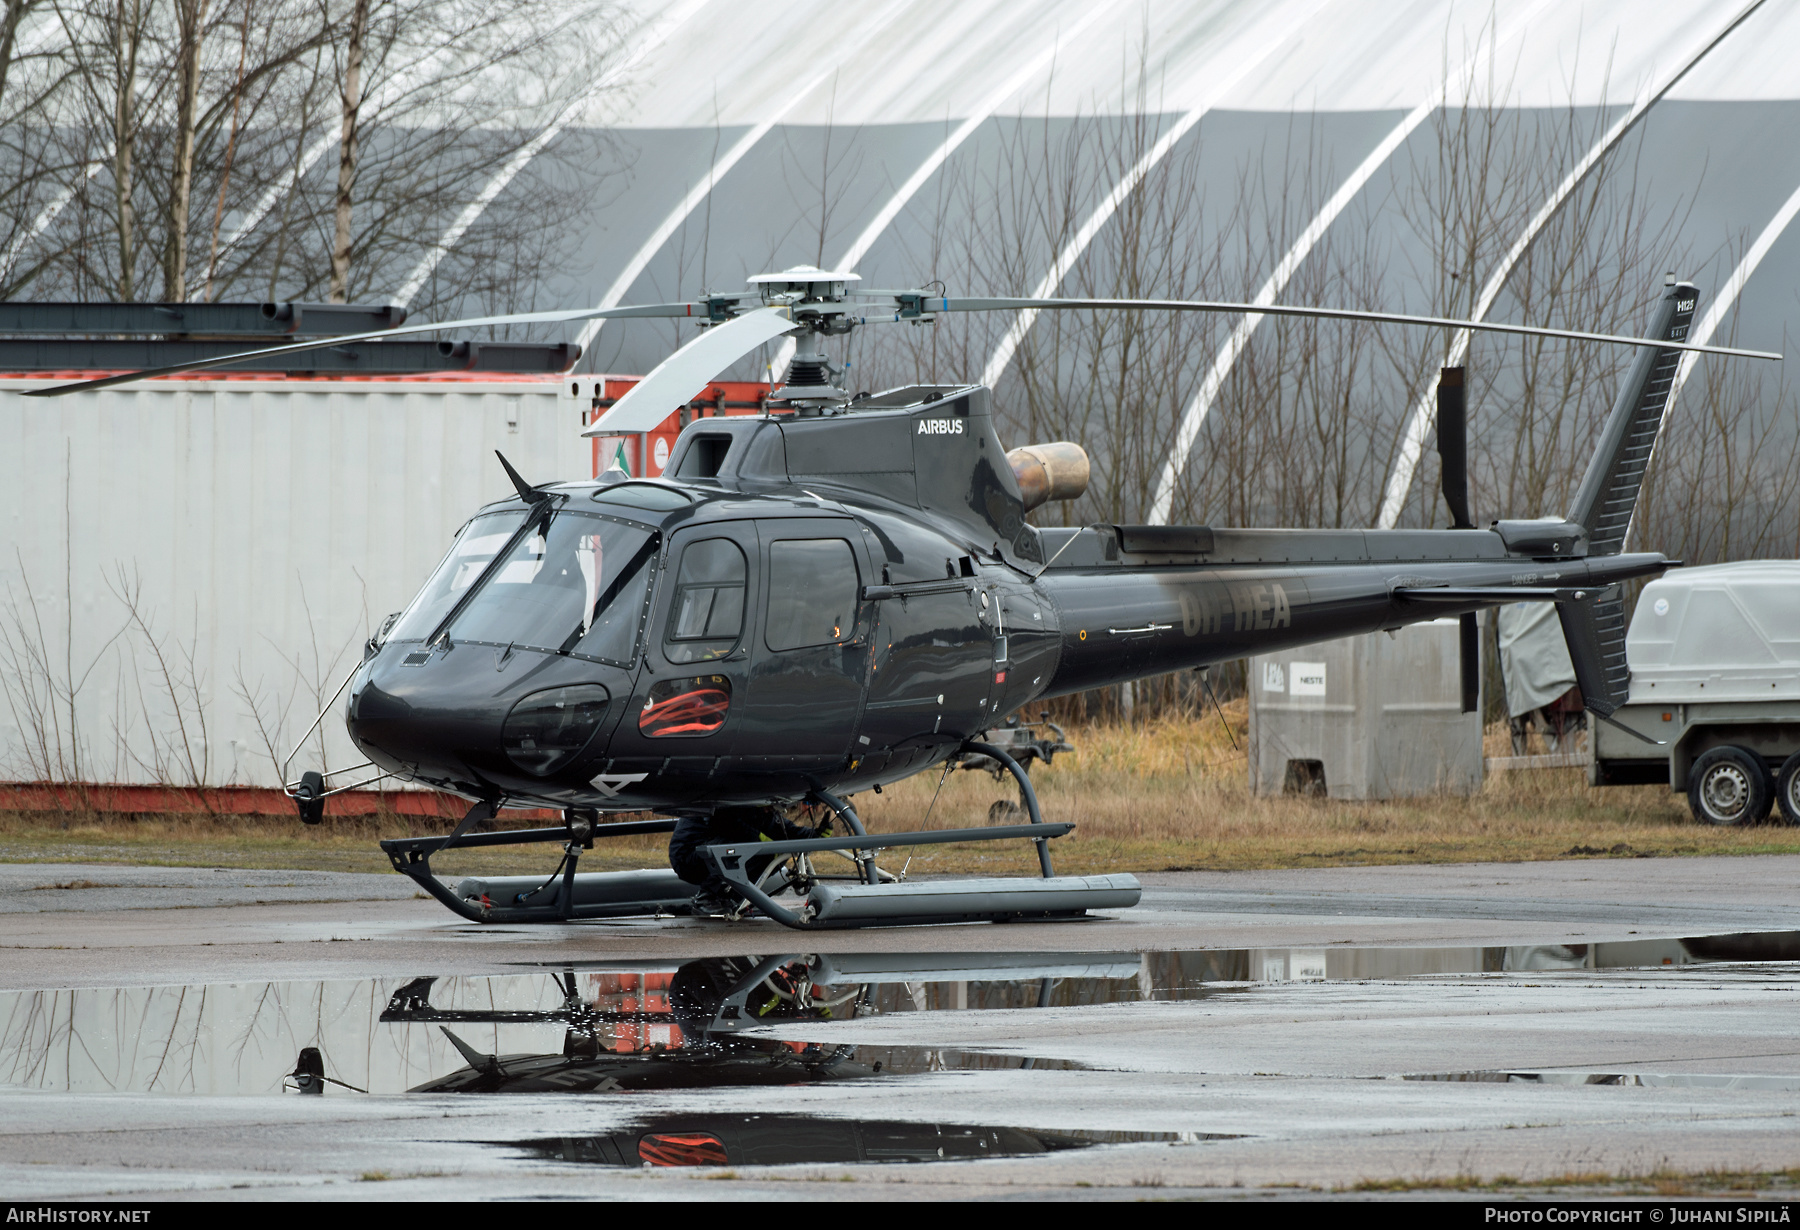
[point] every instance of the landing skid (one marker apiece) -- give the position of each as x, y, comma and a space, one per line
869, 898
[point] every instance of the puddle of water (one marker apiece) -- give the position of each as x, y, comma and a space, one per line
665, 1025
1652, 1080
778, 1140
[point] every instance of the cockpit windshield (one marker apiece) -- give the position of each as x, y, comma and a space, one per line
575, 583
481, 539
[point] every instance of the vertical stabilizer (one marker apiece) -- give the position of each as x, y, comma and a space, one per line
1609, 490
1595, 629
1595, 633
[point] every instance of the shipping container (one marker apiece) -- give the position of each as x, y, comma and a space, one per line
194, 564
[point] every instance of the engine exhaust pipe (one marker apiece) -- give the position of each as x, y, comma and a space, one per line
1046, 472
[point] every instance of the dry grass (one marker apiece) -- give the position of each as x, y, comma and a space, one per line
274, 842
1176, 795
1171, 795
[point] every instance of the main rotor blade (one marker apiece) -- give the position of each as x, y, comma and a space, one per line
1272, 309
477, 322
683, 374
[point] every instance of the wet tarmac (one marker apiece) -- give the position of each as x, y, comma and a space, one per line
1580, 1023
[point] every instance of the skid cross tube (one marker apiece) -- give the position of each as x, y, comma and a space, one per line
732, 860
411, 856
1025, 792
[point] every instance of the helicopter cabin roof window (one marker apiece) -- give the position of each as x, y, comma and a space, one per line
575, 583
707, 613
812, 593
651, 496
474, 549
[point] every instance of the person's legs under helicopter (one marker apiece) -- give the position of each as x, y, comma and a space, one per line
725, 825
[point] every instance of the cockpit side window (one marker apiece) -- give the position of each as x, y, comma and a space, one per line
812, 593
706, 615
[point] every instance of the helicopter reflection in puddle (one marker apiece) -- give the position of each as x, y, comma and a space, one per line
686, 1029
682, 1030
670, 1031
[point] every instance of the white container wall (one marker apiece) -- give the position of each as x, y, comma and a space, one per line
191, 566
1379, 717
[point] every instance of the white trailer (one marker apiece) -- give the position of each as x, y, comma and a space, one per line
192, 565
1714, 707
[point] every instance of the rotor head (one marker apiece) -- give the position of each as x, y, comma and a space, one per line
803, 284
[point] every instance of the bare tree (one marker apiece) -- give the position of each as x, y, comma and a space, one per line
349, 144
237, 99
12, 14
190, 28
1724, 483
237, 104
108, 41
32, 77
177, 749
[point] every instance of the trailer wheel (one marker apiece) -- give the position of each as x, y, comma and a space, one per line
1728, 786
1787, 790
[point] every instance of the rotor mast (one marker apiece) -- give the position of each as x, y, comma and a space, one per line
816, 297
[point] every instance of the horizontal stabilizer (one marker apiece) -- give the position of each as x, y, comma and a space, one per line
1593, 623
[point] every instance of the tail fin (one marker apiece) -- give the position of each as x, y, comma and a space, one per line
1595, 630
1609, 490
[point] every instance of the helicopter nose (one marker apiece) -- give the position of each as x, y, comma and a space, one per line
450, 719
386, 722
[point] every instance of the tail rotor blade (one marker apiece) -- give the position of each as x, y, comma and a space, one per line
678, 378
1468, 646
1453, 445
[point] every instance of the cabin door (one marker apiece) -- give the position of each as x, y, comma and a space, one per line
690, 699
811, 653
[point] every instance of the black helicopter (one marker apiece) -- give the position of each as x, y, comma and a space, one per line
845, 591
